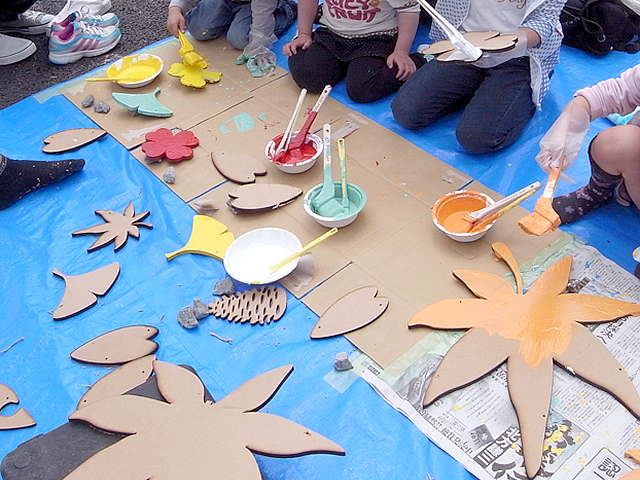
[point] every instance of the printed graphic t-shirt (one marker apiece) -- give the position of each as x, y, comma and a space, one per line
363, 17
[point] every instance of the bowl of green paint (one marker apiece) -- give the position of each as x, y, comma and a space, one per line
335, 213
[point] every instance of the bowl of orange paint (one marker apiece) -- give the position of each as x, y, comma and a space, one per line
298, 160
449, 210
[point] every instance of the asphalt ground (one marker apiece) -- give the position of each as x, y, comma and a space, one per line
141, 23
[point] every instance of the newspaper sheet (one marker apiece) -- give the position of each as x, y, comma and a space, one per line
588, 430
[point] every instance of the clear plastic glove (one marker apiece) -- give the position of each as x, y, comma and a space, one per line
488, 60
259, 60
560, 146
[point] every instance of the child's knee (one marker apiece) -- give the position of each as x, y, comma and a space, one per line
404, 113
238, 40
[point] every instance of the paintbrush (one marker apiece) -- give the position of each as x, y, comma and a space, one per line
544, 218
342, 156
301, 136
474, 217
286, 137
112, 79
489, 219
303, 250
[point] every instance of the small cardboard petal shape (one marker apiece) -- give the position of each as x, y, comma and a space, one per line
81, 291
118, 346
238, 167
355, 310
119, 381
263, 196
254, 394
20, 419
72, 139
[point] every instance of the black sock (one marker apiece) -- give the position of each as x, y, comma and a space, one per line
19, 177
598, 192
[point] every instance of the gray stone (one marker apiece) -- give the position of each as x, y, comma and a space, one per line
225, 287
152, 160
187, 318
200, 309
169, 175
342, 362
88, 101
101, 107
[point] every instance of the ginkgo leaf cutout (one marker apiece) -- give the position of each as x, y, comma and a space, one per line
163, 143
258, 305
488, 41
118, 346
208, 237
72, 139
119, 381
238, 167
259, 197
530, 331
117, 227
20, 419
356, 309
81, 291
143, 103
189, 438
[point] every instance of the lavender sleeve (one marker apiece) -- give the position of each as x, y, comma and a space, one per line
616, 95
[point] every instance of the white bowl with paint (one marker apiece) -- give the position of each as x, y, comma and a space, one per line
141, 68
250, 257
309, 154
448, 211
357, 200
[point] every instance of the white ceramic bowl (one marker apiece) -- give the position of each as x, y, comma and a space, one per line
300, 167
356, 196
140, 64
458, 203
250, 256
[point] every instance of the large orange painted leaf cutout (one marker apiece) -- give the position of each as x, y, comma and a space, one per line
531, 330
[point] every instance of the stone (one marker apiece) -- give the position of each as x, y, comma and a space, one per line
342, 362
88, 101
225, 287
187, 318
169, 175
101, 107
200, 309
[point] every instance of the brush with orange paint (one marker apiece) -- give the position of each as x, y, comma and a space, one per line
544, 218
478, 220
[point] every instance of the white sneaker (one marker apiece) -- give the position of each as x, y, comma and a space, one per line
27, 23
80, 40
103, 21
85, 7
14, 49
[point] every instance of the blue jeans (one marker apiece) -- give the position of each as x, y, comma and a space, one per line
496, 102
210, 19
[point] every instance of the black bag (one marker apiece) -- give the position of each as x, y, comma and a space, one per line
600, 26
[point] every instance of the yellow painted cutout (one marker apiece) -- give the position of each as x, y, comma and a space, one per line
208, 237
192, 71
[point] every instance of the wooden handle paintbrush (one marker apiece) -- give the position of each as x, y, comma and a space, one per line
489, 219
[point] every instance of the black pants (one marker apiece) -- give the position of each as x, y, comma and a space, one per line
9, 9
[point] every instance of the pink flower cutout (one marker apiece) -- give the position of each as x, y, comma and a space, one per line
164, 144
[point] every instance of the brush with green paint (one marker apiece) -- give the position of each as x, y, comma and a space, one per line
325, 203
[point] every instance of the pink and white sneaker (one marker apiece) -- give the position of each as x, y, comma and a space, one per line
78, 40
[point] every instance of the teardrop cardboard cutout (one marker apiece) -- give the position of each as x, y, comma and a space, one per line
118, 346
256, 198
238, 167
72, 139
355, 310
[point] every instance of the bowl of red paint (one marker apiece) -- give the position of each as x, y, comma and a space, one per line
297, 160
448, 212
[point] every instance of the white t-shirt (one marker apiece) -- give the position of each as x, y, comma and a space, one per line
504, 16
362, 17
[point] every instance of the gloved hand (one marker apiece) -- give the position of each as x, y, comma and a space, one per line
560, 146
488, 59
259, 60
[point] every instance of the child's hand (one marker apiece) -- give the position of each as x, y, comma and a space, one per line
302, 41
406, 66
175, 21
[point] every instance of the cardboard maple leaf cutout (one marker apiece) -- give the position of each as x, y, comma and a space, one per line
117, 229
189, 438
530, 332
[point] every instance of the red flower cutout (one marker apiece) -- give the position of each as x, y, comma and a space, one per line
164, 144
